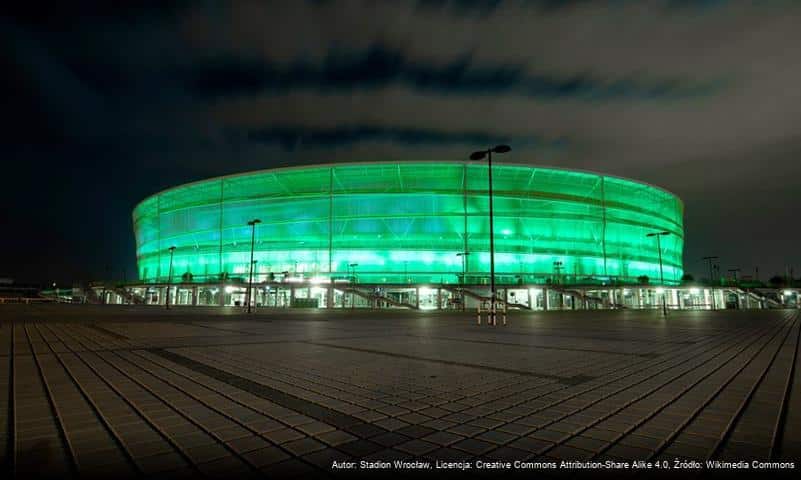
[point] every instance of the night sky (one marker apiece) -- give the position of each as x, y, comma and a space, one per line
105, 106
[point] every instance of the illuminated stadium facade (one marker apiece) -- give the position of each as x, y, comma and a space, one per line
405, 225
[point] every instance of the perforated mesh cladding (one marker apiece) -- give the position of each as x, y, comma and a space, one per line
405, 222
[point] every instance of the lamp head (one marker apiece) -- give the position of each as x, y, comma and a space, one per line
501, 149
478, 155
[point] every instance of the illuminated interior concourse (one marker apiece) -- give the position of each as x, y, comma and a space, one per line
410, 223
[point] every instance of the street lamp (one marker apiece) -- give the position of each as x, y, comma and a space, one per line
464, 265
464, 276
557, 265
353, 280
169, 276
478, 156
709, 261
658, 236
252, 224
734, 270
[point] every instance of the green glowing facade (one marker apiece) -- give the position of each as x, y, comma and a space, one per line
407, 222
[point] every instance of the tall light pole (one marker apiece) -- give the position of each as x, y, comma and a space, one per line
353, 281
658, 236
557, 265
734, 270
252, 224
464, 276
464, 265
709, 260
478, 156
169, 276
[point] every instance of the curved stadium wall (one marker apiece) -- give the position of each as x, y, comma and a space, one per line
405, 222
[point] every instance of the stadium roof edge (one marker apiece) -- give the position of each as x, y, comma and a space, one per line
393, 162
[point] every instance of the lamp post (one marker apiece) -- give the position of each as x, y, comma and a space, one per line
169, 276
658, 236
711, 277
353, 280
463, 255
557, 265
478, 155
709, 261
464, 276
734, 271
252, 224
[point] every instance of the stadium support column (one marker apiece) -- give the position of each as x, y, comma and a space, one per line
331, 227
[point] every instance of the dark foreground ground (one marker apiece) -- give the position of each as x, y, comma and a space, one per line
139, 391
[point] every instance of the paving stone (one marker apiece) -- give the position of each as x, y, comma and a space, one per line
415, 431
359, 448
336, 437
496, 437
391, 424
476, 447
443, 438
266, 456
389, 439
466, 430
282, 436
303, 446
292, 468
315, 428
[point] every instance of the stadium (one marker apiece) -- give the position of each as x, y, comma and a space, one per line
393, 233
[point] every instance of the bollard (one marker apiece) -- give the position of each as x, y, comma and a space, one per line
504, 314
478, 309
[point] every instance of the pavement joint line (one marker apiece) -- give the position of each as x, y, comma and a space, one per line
324, 414
59, 420
585, 337
681, 427
609, 395
143, 415
732, 334
566, 415
339, 385
108, 332
571, 380
98, 413
195, 324
202, 402
544, 347
11, 432
734, 420
781, 420
130, 376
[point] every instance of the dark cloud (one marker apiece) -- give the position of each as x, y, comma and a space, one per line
291, 138
486, 7
381, 66
110, 102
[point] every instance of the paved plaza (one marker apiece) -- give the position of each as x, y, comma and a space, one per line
141, 391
